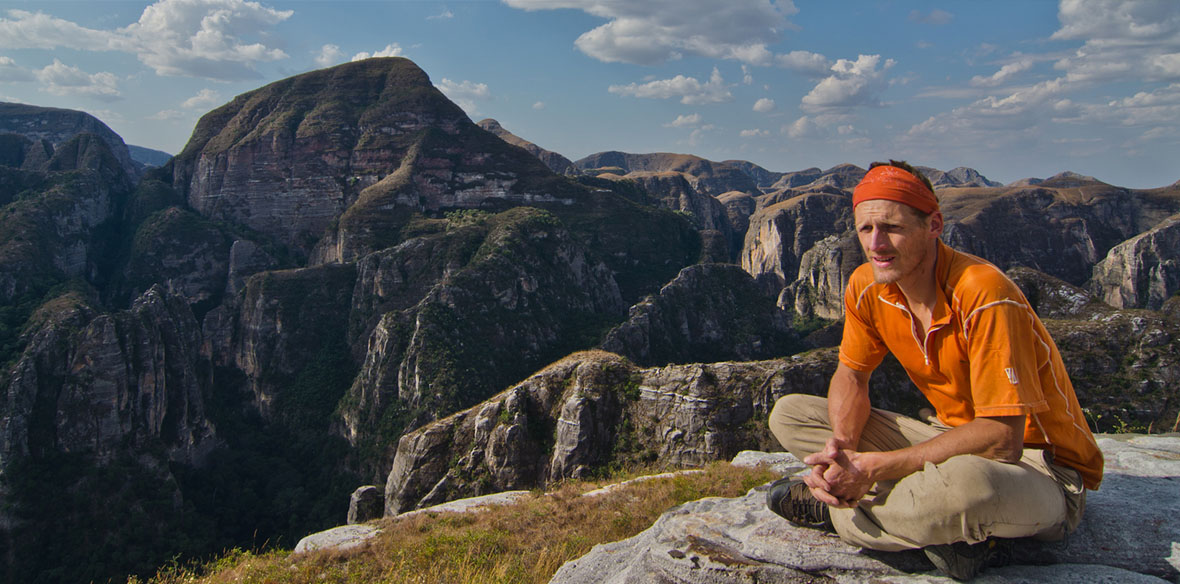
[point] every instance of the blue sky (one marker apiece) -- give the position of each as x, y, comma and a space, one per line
1012, 88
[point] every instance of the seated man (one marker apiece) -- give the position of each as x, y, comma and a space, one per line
1010, 454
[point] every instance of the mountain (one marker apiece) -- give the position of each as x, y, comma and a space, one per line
57, 126
710, 178
148, 157
225, 347
556, 162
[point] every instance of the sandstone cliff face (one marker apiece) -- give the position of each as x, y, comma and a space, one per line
185, 253
780, 234
286, 319
709, 313
49, 236
101, 384
1142, 272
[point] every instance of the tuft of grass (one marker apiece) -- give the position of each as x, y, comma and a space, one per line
525, 542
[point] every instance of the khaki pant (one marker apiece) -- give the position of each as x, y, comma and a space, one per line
966, 498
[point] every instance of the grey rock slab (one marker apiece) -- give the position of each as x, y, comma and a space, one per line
472, 503
340, 538
1130, 533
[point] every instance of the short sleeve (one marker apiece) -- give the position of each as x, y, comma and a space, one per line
861, 347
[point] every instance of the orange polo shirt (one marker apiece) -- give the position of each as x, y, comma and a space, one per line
986, 354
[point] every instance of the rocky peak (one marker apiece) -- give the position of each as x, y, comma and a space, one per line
556, 162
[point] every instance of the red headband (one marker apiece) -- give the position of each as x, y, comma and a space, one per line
895, 184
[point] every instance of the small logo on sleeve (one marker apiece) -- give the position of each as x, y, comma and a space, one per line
1012, 378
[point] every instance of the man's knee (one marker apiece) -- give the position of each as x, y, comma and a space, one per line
800, 422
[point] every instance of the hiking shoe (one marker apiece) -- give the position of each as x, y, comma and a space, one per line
964, 561
791, 499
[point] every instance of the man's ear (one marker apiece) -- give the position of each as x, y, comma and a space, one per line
936, 224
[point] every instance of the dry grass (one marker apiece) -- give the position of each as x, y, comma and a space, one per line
525, 542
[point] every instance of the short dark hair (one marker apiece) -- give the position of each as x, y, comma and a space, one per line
917, 173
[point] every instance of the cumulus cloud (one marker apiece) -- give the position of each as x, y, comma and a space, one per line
62, 79
329, 55
390, 50
851, 84
806, 62
10, 71
690, 90
203, 99
764, 105
540, 105
466, 94
747, 77
683, 121
652, 32
755, 133
214, 39
1003, 75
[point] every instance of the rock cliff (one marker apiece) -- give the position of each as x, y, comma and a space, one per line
55, 127
1142, 272
707, 177
708, 313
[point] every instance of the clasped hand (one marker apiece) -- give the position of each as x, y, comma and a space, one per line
835, 477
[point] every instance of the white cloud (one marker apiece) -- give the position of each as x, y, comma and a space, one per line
936, 17
329, 55
62, 79
465, 94
1124, 40
800, 128
806, 62
851, 84
683, 121
203, 99
214, 39
764, 105
747, 77
756, 133
10, 71
540, 105
688, 89
655, 31
390, 50
446, 14
1003, 75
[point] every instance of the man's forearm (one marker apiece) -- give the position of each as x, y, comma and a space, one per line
999, 438
848, 406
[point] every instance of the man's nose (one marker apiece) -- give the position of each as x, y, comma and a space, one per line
877, 240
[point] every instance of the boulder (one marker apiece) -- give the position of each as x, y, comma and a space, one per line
366, 504
1130, 533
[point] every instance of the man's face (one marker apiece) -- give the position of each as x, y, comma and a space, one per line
897, 242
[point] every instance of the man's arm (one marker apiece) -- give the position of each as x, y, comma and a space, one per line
841, 474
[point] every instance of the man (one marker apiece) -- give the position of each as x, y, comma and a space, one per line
1009, 455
